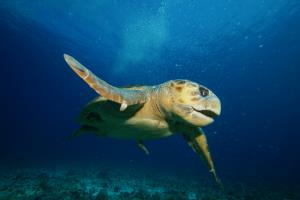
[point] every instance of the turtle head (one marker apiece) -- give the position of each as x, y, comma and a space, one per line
193, 103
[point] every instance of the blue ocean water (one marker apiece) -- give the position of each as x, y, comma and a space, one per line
247, 52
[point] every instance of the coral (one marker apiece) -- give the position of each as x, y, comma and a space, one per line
4, 188
124, 195
117, 189
141, 194
102, 195
98, 184
175, 195
156, 196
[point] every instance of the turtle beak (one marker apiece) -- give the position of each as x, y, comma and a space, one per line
214, 106
210, 107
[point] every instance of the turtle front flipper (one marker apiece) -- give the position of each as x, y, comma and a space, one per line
197, 141
123, 96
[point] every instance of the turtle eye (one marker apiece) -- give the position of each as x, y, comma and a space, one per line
203, 91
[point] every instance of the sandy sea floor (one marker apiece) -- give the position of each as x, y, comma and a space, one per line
104, 184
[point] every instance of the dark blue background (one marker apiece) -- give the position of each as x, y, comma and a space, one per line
247, 52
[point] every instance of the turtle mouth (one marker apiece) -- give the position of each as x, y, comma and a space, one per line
207, 113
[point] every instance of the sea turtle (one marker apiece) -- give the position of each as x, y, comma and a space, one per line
149, 112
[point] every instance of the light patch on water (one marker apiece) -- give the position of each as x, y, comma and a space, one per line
142, 40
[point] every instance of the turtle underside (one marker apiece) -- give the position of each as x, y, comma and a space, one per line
103, 118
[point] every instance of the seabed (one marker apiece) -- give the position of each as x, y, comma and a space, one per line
106, 184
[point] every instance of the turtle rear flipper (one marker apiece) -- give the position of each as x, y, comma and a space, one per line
142, 146
123, 96
84, 129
